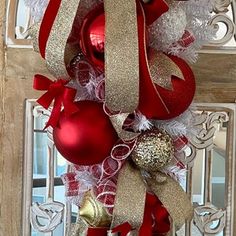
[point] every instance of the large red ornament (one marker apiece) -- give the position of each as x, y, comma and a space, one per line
92, 36
86, 137
180, 98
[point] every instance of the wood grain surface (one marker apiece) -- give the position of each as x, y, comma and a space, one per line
216, 78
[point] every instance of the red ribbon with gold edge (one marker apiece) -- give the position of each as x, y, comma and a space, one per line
47, 23
150, 102
62, 96
155, 214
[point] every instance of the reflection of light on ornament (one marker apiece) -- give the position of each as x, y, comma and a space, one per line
61, 161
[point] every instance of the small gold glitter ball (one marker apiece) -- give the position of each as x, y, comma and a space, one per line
153, 151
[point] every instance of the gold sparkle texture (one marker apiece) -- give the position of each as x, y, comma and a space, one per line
153, 151
121, 55
162, 68
130, 197
58, 52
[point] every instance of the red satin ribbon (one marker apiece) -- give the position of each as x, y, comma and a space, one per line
154, 9
62, 96
150, 102
97, 232
123, 229
47, 23
156, 218
155, 222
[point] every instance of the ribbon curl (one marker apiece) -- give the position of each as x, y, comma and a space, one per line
62, 96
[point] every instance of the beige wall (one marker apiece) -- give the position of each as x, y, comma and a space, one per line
17, 67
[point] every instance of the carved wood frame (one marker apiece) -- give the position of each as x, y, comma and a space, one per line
229, 213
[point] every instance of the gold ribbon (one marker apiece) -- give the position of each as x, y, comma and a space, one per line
162, 68
121, 55
80, 228
34, 34
58, 52
173, 198
117, 122
130, 198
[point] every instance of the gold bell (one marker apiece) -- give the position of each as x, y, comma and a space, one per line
93, 212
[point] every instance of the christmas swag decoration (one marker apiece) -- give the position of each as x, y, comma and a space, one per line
121, 107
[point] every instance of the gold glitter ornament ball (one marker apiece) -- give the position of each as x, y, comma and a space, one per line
154, 150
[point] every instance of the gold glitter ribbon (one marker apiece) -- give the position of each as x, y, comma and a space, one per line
80, 228
162, 68
130, 198
121, 55
34, 34
93, 212
58, 52
117, 122
173, 198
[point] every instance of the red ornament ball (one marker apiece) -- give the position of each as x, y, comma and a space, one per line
92, 36
179, 99
86, 137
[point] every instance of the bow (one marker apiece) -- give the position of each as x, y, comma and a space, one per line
62, 96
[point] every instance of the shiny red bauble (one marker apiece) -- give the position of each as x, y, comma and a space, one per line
92, 36
86, 137
179, 99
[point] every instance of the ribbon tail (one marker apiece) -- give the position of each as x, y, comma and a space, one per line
68, 101
130, 198
45, 100
173, 198
55, 114
146, 228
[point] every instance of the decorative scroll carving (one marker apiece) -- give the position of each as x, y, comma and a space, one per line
221, 5
230, 28
205, 123
47, 216
208, 121
209, 219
